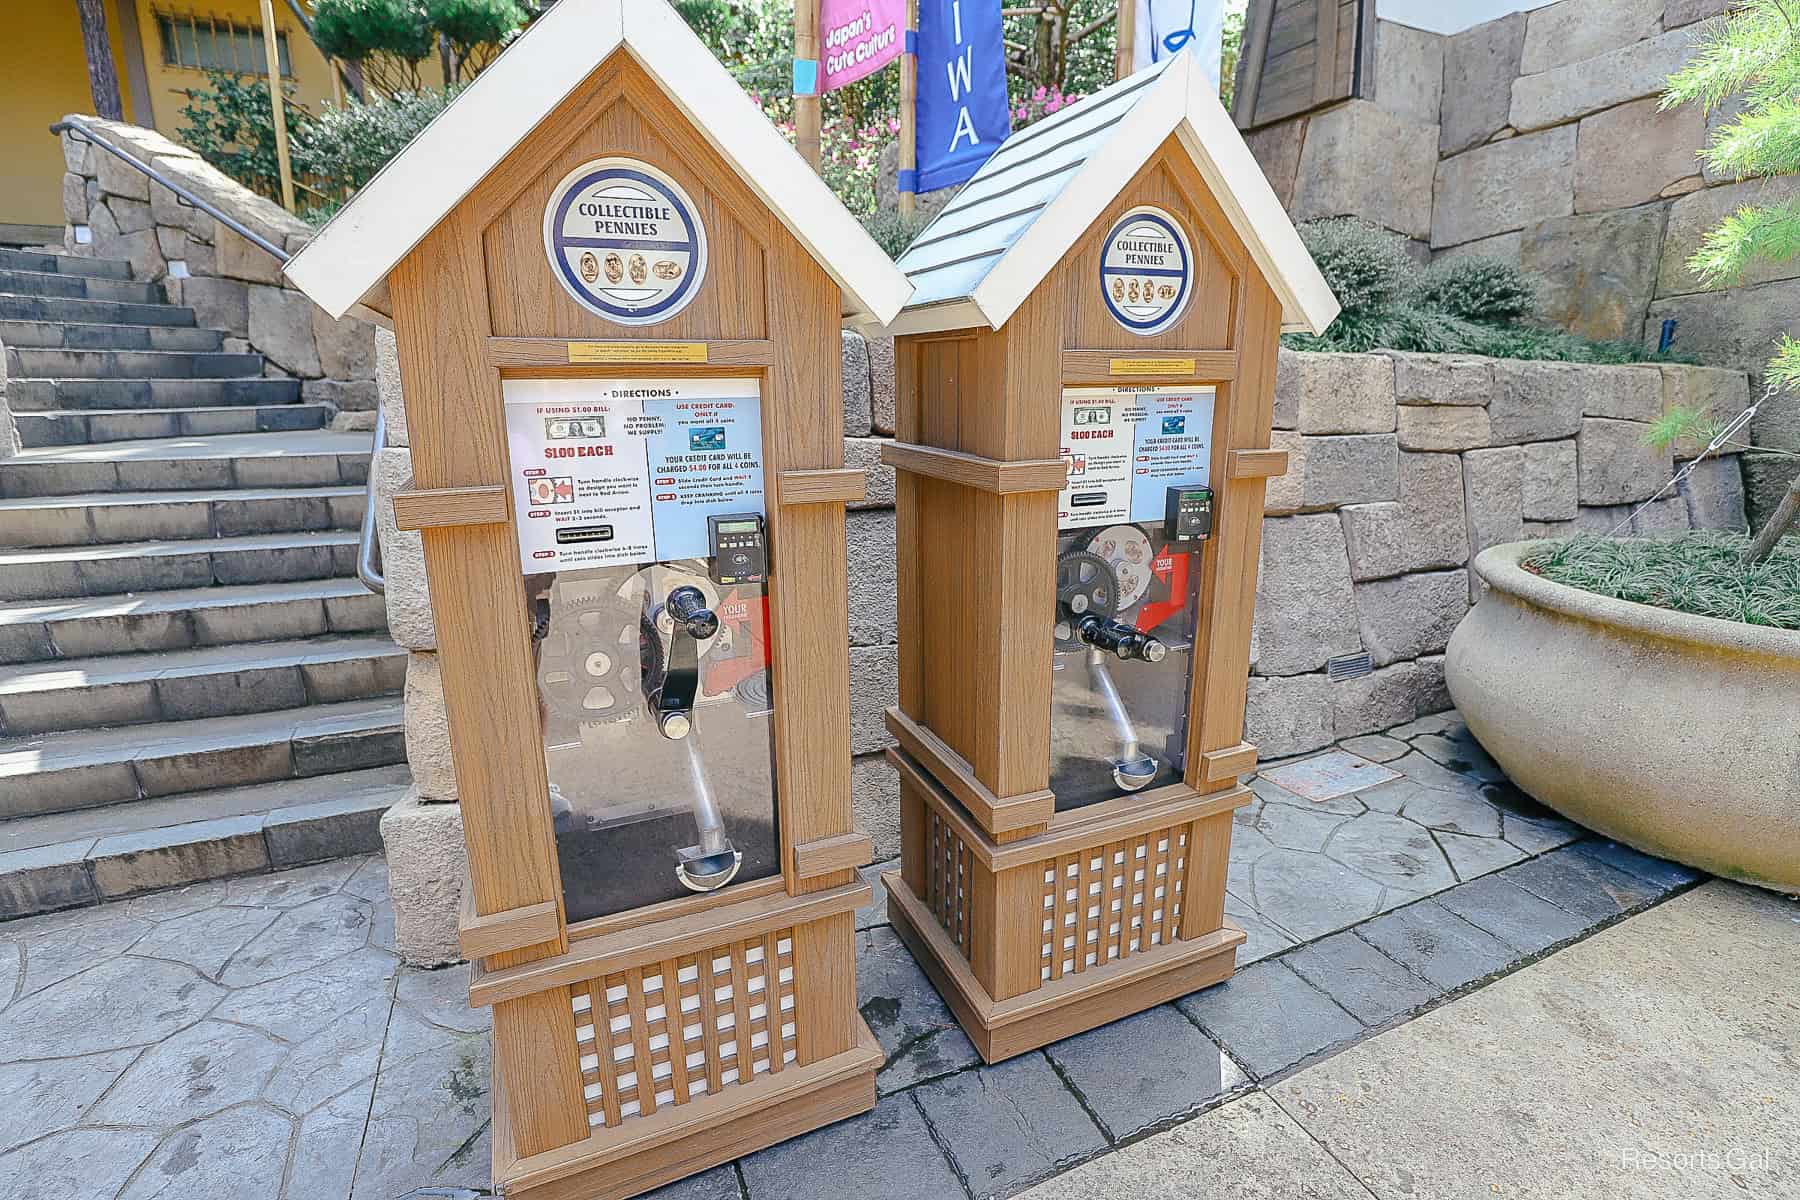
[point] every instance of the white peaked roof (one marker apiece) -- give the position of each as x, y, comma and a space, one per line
1013, 222
356, 250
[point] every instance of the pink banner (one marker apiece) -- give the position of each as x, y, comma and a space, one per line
858, 38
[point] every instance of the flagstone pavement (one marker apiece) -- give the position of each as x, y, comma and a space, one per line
258, 1038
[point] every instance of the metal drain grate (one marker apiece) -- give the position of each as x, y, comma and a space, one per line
1349, 666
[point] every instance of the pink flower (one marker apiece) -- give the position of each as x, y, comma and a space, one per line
1039, 95
1053, 104
1023, 112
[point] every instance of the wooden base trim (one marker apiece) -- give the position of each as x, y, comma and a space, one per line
436, 508
679, 1140
641, 945
1060, 1008
846, 851
997, 476
1117, 821
1224, 766
593, 927
1149, 366
838, 485
505, 352
513, 929
951, 772
1256, 464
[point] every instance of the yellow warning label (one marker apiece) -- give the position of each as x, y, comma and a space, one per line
1152, 366
637, 352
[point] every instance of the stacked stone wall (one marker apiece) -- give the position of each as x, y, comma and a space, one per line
113, 210
1537, 138
1402, 467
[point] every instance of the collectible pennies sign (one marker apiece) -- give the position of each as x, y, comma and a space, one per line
1146, 271
1126, 447
608, 471
625, 241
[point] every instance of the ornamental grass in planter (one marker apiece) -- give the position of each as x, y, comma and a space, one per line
1647, 688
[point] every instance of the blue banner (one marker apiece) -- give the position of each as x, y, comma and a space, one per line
963, 109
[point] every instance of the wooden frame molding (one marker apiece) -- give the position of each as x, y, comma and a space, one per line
608, 954
1256, 464
1224, 766
847, 851
834, 485
992, 475
514, 929
926, 753
1104, 367
440, 508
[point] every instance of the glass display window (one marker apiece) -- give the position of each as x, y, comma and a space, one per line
640, 511
1132, 525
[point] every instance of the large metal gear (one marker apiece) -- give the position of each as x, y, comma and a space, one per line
1085, 586
594, 657
1127, 550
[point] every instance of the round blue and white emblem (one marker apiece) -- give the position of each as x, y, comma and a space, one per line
1146, 271
624, 241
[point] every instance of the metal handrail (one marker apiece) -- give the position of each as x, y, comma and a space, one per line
367, 549
77, 125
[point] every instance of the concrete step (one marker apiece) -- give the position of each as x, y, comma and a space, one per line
88, 768
66, 860
52, 335
76, 427
92, 312
185, 618
38, 395
319, 458
63, 264
78, 287
131, 364
70, 571
187, 685
109, 517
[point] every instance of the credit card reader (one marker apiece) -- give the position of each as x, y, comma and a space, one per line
1188, 515
740, 548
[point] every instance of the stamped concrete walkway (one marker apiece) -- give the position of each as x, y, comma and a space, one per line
257, 1038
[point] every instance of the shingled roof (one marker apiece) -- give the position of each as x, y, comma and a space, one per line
1013, 222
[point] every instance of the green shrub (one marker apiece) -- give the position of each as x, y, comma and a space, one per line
1698, 573
1465, 306
344, 147
891, 231
230, 126
1479, 289
358, 29
1367, 267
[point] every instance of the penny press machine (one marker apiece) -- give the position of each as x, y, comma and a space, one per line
1087, 375
616, 293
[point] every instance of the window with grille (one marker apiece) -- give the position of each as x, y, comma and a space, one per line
209, 43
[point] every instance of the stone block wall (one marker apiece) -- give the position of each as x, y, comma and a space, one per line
112, 210
1403, 467
868, 396
1537, 138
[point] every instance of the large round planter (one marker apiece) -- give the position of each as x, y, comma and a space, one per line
1677, 735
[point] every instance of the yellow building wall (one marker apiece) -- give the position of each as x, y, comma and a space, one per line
43, 76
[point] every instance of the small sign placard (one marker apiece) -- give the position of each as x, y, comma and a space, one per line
1146, 271
637, 352
1153, 366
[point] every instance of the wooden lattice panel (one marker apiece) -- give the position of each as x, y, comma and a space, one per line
1107, 902
624, 1034
948, 871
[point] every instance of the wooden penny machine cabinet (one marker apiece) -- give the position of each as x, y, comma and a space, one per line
1086, 382
616, 293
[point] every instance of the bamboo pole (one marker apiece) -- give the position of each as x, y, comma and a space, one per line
909, 111
1126, 33
272, 52
806, 107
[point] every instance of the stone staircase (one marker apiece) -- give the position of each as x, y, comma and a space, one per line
193, 683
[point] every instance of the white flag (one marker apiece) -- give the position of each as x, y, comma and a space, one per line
1167, 27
